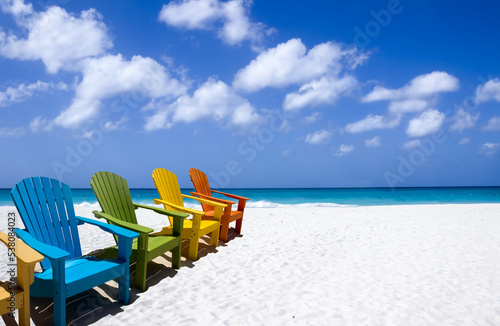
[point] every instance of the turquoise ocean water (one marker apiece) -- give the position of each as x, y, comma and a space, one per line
320, 196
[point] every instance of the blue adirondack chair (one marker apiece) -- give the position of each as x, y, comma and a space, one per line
46, 209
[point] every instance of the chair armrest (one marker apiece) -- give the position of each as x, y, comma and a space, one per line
231, 195
22, 251
162, 211
51, 252
228, 202
178, 217
127, 225
205, 201
178, 208
242, 201
116, 230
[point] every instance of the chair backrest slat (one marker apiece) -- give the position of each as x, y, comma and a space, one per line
200, 183
16, 196
120, 187
46, 208
30, 201
64, 218
73, 226
54, 219
47, 220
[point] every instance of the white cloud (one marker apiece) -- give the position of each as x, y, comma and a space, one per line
112, 75
409, 105
489, 149
374, 142
213, 100
114, 125
324, 91
419, 87
41, 124
416, 96
344, 150
463, 119
489, 91
464, 141
204, 14
412, 144
413, 97
285, 126
427, 123
317, 69
237, 26
319, 137
290, 63
190, 14
493, 124
16, 7
355, 57
12, 132
58, 38
312, 118
22, 92
285, 153
372, 122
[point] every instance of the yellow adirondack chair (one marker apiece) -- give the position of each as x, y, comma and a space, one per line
19, 297
171, 197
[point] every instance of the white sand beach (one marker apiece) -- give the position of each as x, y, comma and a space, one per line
380, 265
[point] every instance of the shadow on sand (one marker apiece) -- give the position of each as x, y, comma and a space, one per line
90, 306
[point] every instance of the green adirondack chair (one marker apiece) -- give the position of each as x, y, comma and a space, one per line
113, 195
46, 209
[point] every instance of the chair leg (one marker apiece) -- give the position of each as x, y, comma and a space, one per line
24, 279
141, 271
123, 286
24, 312
224, 229
214, 238
176, 256
238, 225
59, 294
124, 252
60, 310
193, 247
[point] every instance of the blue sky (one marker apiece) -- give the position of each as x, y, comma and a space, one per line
254, 93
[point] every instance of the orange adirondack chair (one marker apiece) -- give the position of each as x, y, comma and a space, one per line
200, 182
172, 199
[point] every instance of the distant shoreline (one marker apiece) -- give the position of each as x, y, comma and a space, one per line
317, 197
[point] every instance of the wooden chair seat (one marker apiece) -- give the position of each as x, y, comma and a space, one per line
233, 215
81, 269
5, 294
